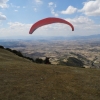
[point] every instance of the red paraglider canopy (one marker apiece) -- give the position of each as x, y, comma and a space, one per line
49, 20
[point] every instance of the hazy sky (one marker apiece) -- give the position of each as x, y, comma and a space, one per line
17, 16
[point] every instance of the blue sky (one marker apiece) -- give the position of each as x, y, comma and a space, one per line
17, 16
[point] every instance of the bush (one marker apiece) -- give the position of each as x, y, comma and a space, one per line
1, 47
17, 53
29, 58
38, 60
9, 49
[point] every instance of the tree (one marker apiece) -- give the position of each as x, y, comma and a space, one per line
46, 61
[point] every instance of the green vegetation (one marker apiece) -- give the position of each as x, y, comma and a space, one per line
1, 47
22, 79
74, 62
38, 60
41, 61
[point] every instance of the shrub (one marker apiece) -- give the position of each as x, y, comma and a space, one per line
38, 60
9, 49
29, 58
1, 47
17, 53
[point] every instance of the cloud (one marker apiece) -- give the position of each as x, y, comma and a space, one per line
2, 17
35, 9
69, 10
37, 5
39, 1
15, 29
81, 20
24, 7
16, 10
3, 3
91, 8
52, 6
14, 6
54, 13
84, 26
15, 24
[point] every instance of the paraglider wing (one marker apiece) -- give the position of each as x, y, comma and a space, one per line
49, 20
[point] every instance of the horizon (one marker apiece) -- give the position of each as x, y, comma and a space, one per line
52, 37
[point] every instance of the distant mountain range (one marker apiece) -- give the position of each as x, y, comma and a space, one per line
47, 38
97, 36
43, 38
86, 37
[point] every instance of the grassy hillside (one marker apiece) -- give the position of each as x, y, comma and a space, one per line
21, 79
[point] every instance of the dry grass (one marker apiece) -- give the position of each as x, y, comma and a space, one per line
21, 79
